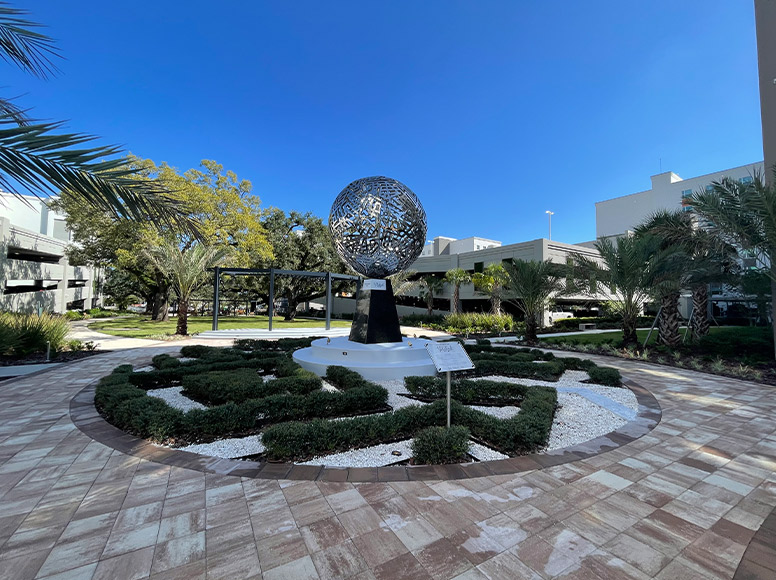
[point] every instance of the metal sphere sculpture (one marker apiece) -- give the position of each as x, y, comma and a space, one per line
378, 226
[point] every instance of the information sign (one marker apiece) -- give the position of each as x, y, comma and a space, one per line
373, 284
449, 356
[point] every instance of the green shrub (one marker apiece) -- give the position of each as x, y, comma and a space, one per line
282, 344
344, 379
482, 392
525, 432
605, 376
576, 364
219, 387
165, 361
546, 371
74, 315
438, 445
422, 320
33, 332
752, 342
477, 322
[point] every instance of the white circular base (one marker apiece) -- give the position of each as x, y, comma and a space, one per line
384, 361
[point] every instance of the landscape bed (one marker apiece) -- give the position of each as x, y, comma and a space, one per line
253, 401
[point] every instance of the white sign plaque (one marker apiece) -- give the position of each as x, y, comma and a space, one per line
372, 284
449, 356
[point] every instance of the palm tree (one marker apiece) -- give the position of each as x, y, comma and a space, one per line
627, 272
491, 281
743, 214
186, 271
533, 285
430, 286
706, 259
35, 158
455, 278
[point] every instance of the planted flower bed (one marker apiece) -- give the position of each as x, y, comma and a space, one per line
257, 389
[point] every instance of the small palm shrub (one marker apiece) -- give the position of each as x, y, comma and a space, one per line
438, 445
476, 322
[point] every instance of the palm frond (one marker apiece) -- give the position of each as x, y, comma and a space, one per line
37, 160
21, 45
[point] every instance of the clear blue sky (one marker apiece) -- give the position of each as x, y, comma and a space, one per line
491, 111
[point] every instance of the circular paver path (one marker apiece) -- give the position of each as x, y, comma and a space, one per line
682, 501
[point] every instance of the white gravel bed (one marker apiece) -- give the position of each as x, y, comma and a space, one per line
506, 412
185, 359
578, 420
394, 399
172, 396
484, 453
228, 448
375, 456
329, 387
146, 369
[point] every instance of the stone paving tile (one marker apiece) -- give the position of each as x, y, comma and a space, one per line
682, 501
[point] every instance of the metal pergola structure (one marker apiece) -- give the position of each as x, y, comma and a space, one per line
272, 272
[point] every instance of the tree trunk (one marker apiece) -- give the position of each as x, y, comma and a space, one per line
183, 321
291, 312
430, 304
668, 323
530, 329
496, 303
700, 316
456, 299
161, 306
629, 337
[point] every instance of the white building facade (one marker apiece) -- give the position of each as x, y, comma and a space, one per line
34, 272
620, 215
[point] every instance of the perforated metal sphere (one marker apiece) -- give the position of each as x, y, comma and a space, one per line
378, 226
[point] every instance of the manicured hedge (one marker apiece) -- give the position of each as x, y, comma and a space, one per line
525, 432
544, 371
282, 344
482, 392
439, 445
605, 376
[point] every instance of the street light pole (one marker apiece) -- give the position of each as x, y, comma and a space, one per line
549, 218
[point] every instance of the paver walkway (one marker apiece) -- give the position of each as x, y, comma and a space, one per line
681, 502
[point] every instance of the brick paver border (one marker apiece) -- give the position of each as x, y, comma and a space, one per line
85, 416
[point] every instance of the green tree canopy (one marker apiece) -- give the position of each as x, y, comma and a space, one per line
491, 282
299, 242
456, 277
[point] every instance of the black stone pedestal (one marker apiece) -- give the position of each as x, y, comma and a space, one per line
376, 319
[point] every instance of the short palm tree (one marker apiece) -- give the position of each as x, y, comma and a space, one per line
532, 286
456, 277
187, 272
36, 159
627, 272
491, 281
430, 286
705, 259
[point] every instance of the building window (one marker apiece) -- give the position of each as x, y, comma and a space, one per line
687, 208
479, 266
686, 193
746, 180
709, 188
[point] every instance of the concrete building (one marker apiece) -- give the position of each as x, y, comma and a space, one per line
619, 215
475, 253
34, 272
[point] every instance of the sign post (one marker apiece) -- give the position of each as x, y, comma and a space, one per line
448, 357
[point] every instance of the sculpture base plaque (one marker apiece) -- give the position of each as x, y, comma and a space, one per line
376, 320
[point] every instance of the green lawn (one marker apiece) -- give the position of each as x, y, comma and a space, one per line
144, 327
601, 338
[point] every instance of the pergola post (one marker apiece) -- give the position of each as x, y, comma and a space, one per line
217, 285
328, 300
271, 306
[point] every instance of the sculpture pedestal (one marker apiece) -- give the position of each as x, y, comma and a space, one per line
375, 362
376, 320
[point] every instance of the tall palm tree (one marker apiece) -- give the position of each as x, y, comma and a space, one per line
430, 286
35, 158
743, 214
186, 271
455, 278
533, 285
491, 281
627, 272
